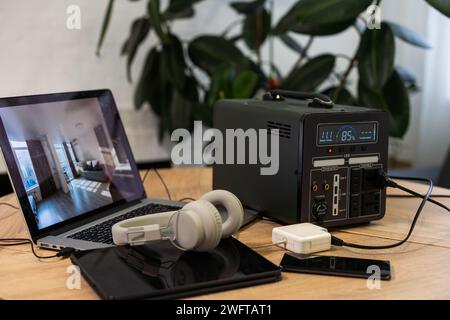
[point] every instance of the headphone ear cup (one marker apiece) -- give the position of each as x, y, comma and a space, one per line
233, 207
210, 226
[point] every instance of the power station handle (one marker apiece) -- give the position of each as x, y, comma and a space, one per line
319, 100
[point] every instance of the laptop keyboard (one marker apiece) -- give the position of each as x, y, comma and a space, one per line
102, 232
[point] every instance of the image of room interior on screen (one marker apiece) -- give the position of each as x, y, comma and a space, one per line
66, 159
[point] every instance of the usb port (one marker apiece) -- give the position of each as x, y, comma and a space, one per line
335, 194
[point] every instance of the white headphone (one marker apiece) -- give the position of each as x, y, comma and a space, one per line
197, 226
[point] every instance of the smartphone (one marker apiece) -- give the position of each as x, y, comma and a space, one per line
339, 266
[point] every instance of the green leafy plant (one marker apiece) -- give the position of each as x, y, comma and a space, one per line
181, 79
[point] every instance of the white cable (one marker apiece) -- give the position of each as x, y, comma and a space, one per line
269, 245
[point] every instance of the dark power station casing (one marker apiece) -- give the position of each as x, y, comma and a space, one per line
289, 195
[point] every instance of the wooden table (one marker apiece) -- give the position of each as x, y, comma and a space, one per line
421, 267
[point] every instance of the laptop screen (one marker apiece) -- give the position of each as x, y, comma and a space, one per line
67, 155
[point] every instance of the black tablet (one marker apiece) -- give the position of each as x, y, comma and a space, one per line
160, 271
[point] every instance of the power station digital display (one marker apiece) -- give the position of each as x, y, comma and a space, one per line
348, 133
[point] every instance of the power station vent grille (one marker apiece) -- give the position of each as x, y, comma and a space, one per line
284, 129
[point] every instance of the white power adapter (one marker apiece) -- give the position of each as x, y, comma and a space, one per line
302, 238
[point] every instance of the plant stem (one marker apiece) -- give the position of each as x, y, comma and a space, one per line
345, 76
303, 55
271, 46
258, 39
352, 63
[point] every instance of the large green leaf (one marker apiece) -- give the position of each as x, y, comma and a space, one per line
176, 65
181, 112
244, 85
323, 29
442, 5
184, 103
341, 96
393, 98
179, 9
397, 98
190, 90
105, 25
221, 84
147, 87
322, 17
408, 35
248, 7
163, 101
135, 29
311, 74
208, 52
156, 19
154, 87
138, 32
203, 112
371, 98
376, 56
255, 29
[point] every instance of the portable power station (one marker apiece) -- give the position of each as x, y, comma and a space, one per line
329, 158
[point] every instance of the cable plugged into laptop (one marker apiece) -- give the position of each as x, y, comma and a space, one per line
10, 242
65, 252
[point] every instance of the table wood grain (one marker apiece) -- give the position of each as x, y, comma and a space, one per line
421, 267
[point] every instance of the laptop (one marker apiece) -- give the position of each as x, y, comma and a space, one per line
72, 169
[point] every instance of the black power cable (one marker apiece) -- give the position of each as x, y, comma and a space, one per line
411, 196
160, 178
418, 195
164, 184
9, 242
9, 205
186, 199
388, 182
145, 175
